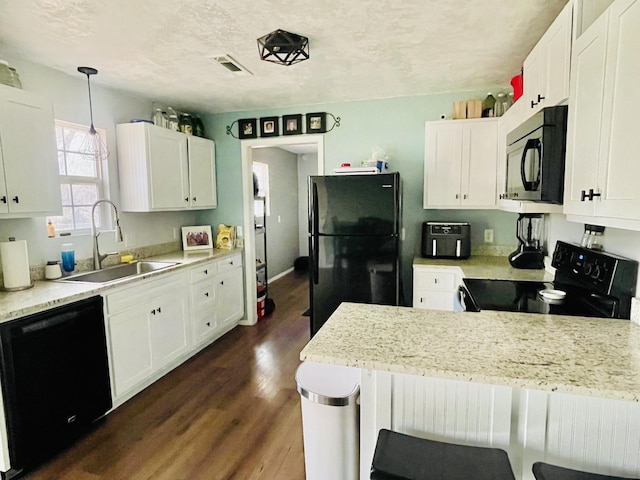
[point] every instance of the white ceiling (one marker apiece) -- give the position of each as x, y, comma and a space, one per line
359, 49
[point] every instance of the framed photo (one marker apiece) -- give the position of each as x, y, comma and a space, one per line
269, 127
316, 122
291, 124
247, 128
197, 238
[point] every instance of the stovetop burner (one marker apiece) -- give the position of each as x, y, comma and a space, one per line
596, 285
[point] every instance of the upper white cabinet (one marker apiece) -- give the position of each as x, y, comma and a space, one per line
547, 68
164, 170
29, 180
602, 162
460, 163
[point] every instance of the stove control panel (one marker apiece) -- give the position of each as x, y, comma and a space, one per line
603, 273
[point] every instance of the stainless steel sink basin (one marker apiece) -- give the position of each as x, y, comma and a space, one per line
118, 272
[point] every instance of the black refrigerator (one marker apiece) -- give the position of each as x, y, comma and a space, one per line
354, 242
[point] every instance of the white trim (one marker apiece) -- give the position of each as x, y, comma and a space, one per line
246, 148
280, 275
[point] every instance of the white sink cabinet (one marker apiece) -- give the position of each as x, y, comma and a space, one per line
29, 179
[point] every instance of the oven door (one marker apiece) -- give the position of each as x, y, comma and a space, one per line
524, 167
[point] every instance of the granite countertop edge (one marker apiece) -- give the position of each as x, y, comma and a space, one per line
47, 294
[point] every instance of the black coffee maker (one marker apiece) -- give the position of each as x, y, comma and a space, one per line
529, 232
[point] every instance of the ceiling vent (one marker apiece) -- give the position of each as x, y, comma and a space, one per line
228, 62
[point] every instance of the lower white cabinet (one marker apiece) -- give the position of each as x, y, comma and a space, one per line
217, 297
148, 329
435, 288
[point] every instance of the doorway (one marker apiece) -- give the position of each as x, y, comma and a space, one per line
313, 142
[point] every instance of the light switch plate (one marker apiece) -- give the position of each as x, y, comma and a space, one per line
635, 310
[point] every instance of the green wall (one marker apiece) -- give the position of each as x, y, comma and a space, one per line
397, 126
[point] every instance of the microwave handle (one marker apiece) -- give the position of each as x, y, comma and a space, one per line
530, 145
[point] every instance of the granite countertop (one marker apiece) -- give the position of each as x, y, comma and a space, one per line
586, 356
46, 293
485, 266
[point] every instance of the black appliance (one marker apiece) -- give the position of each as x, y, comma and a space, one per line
595, 284
446, 240
55, 379
529, 253
536, 157
354, 242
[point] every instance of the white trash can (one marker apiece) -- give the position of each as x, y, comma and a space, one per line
329, 396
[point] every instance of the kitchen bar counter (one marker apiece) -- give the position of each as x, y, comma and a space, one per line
584, 356
47, 293
484, 266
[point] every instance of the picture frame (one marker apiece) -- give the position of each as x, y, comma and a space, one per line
197, 238
247, 128
292, 124
317, 122
269, 127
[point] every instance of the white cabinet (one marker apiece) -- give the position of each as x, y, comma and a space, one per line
547, 67
147, 328
602, 165
29, 180
217, 297
460, 164
435, 288
164, 170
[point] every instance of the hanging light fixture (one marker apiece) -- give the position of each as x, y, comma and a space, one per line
283, 48
92, 146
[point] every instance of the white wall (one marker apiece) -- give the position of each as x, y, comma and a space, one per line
307, 165
68, 92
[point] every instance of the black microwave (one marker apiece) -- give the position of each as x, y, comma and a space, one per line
536, 156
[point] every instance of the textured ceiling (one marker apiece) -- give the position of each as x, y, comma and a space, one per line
359, 49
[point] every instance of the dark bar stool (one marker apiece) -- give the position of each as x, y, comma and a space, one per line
546, 471
404, 457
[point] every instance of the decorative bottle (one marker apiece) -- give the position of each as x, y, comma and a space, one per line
488, 105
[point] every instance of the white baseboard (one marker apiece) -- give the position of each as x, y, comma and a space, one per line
280, 275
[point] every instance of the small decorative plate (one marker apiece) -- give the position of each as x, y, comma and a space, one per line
552, 294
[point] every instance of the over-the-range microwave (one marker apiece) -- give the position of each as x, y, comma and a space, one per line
536, 157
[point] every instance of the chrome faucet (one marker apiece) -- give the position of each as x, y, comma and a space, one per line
97, 256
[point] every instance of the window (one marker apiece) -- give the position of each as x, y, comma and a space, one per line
261, 174
81, 179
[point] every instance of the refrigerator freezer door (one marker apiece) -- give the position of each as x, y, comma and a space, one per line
354, 204
352, 269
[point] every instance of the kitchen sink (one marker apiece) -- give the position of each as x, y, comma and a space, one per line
128, 270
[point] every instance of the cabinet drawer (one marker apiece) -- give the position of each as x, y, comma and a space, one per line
205, 326
431, 300
435, 280
203, 295
132, 296
229, 263
202, 272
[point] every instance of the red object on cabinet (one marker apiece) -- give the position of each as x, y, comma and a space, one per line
517, 83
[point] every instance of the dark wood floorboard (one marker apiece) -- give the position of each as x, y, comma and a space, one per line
230, 412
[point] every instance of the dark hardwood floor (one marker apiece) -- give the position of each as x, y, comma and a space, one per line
230, 412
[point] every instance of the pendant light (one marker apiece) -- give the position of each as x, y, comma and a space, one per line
283, 48
93, 146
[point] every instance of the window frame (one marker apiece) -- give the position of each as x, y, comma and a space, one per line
100, 180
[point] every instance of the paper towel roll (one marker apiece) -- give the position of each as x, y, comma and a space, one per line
15, 264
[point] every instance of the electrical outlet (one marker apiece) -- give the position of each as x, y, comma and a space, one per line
488, 235
279, 219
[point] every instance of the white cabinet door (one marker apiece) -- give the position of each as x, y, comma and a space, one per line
532, 68
479, 162
168, 320
460, 164
443, 163
230, 295
619, 167
130, 347
202, 173
31, 183
168, 171
585, 117
435, 288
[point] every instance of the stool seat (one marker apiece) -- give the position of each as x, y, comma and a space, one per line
404, 457
546, 471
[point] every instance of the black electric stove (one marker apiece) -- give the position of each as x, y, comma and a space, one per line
596, 284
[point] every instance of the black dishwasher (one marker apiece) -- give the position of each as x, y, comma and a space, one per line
55, 379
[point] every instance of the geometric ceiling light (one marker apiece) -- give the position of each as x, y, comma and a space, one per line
92, 146
283, 48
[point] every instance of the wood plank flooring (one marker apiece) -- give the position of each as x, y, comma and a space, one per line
231, 412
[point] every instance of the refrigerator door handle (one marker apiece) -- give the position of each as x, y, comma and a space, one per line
315, 254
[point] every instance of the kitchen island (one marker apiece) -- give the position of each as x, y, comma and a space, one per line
544, 387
